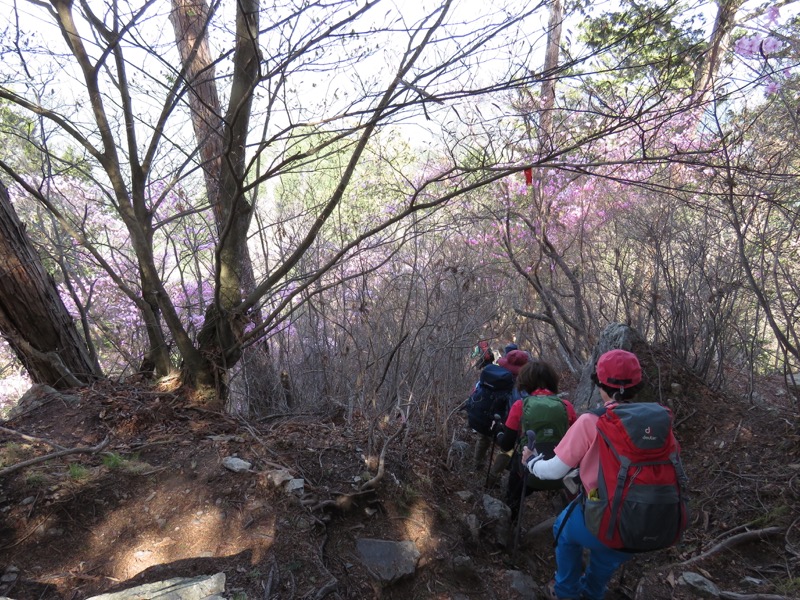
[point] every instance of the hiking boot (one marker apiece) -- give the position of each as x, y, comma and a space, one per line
550, 591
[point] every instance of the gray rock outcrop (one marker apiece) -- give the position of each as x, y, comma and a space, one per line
388, 560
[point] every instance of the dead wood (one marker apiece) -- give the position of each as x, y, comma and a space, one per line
59, 454
30, 438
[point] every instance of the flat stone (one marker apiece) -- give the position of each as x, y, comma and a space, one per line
296, 485
700, 586
179, 588
237, 465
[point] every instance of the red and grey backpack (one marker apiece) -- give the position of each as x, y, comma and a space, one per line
640, 504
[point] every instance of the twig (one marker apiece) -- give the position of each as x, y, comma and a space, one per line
732, 541
738, 429
30, 438
46, 457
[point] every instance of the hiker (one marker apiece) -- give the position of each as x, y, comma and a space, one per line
541, 409
491, 396
483, 354
618, 375
513, 360
509, 348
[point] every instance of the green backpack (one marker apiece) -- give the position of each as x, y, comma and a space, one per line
547, 417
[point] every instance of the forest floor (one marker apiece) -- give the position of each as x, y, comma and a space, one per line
157, 503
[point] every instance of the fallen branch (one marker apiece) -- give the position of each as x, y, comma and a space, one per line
59, 454
730, 542
30, 438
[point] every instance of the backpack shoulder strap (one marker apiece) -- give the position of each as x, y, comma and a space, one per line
601, 410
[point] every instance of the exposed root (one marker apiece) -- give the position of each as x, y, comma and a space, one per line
730, 542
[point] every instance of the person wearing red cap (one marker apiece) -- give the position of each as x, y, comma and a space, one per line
618, 374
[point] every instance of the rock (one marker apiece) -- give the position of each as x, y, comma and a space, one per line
179, 588
495, 509
279, 477
521, 585
676, 388
474, 526
498, 515
460, 448
614, 336
295, 486
237, 465
466, 495
388, 560
39, 395
700, 586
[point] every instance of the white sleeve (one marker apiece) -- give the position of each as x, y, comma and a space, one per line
554, 468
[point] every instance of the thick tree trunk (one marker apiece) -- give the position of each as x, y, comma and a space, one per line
223, 154
33, 317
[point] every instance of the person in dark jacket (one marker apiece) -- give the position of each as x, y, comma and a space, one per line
511, 362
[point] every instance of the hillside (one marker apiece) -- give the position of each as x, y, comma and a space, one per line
157, 502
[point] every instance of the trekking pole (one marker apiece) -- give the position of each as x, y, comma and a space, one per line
531, 446
495, 420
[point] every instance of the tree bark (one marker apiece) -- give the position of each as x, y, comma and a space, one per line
33, 318
717, 46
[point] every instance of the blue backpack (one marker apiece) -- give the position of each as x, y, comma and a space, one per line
492, 395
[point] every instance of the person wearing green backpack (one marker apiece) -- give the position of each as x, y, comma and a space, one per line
541, 410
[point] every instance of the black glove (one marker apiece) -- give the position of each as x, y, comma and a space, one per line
506, 438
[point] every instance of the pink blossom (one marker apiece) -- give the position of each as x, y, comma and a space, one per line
770, 45
748, 46
772, 87
773, 14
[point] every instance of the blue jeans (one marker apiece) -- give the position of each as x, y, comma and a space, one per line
571, 580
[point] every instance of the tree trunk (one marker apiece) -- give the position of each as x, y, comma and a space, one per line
717, 46
223, 157
33, 317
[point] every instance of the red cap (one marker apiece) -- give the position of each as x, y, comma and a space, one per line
619, 369
514, 361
